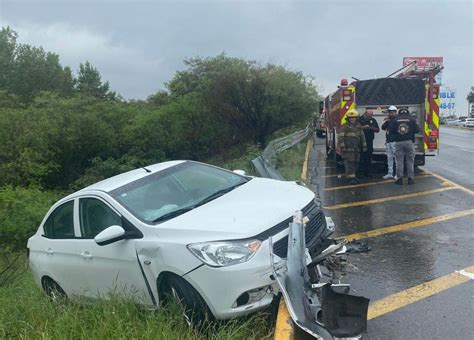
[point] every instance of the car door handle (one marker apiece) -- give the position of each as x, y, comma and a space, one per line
50, 251
86, 255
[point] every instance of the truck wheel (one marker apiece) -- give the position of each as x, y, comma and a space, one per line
195, 310
53, 289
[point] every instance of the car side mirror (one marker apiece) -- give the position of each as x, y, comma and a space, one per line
110, 235
240, 172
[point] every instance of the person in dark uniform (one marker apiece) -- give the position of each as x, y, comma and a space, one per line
350, 143
404, 128
370, 127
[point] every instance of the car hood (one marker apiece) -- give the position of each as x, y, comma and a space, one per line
244, 212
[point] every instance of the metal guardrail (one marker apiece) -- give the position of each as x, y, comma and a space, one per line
265, 164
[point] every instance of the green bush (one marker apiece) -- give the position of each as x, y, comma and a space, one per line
21, 212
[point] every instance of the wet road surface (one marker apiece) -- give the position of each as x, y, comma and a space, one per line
419, 236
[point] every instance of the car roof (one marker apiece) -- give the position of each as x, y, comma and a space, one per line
117, 181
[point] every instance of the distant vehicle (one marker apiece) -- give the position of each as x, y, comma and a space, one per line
460, 121
195, 232
320, 127
469, 122
451, 121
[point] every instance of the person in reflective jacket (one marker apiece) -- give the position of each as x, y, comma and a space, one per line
404, 128
350, 143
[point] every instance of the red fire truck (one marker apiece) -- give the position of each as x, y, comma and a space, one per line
412, 87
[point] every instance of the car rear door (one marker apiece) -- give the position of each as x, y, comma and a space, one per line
112, 268
53, 253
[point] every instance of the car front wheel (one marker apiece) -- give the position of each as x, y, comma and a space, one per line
195, 309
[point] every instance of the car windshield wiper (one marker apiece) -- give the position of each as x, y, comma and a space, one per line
209, 198
173, 213
217, 194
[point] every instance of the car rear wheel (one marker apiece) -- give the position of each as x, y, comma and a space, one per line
195, 309
53, 290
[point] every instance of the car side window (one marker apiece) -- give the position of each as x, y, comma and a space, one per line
95, 216
60, 224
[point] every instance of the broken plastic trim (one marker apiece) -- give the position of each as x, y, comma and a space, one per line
326, 311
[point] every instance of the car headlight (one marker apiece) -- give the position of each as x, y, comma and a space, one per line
225, 253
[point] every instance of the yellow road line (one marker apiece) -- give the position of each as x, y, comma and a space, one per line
409, 225
417, 293
367, 184
386, 199
284, 325
304, 171
458, 186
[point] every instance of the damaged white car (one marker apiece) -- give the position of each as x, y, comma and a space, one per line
184, 229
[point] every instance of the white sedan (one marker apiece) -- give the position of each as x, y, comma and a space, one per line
186, 229
469, 122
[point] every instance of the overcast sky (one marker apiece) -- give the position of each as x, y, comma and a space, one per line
139, 45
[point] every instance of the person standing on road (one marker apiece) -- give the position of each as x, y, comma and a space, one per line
370, 127
350, 143
389, 140
404, 129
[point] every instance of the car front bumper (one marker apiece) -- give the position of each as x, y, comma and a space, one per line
225, 289
324, 310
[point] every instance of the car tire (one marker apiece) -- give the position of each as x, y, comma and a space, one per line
53, 290
195, 310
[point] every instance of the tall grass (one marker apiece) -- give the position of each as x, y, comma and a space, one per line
27, 313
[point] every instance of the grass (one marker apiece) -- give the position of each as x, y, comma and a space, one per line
27, 313
289, 163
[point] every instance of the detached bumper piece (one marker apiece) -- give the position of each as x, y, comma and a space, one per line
326, 311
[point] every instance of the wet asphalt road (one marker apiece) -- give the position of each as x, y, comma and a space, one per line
416, 255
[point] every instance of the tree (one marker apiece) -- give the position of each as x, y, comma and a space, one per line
89, 82
255, 100
160, 98
470, 96
26, 70
8, 45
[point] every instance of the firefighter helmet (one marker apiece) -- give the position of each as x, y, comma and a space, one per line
403, 112
352, 114
392, 108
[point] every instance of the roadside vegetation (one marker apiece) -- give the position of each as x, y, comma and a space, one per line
289, 163
27, 313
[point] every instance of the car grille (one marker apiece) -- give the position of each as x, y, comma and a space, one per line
313, 231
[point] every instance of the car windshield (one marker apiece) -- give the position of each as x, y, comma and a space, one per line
176, 190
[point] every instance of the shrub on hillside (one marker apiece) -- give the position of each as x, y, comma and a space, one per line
21, 211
